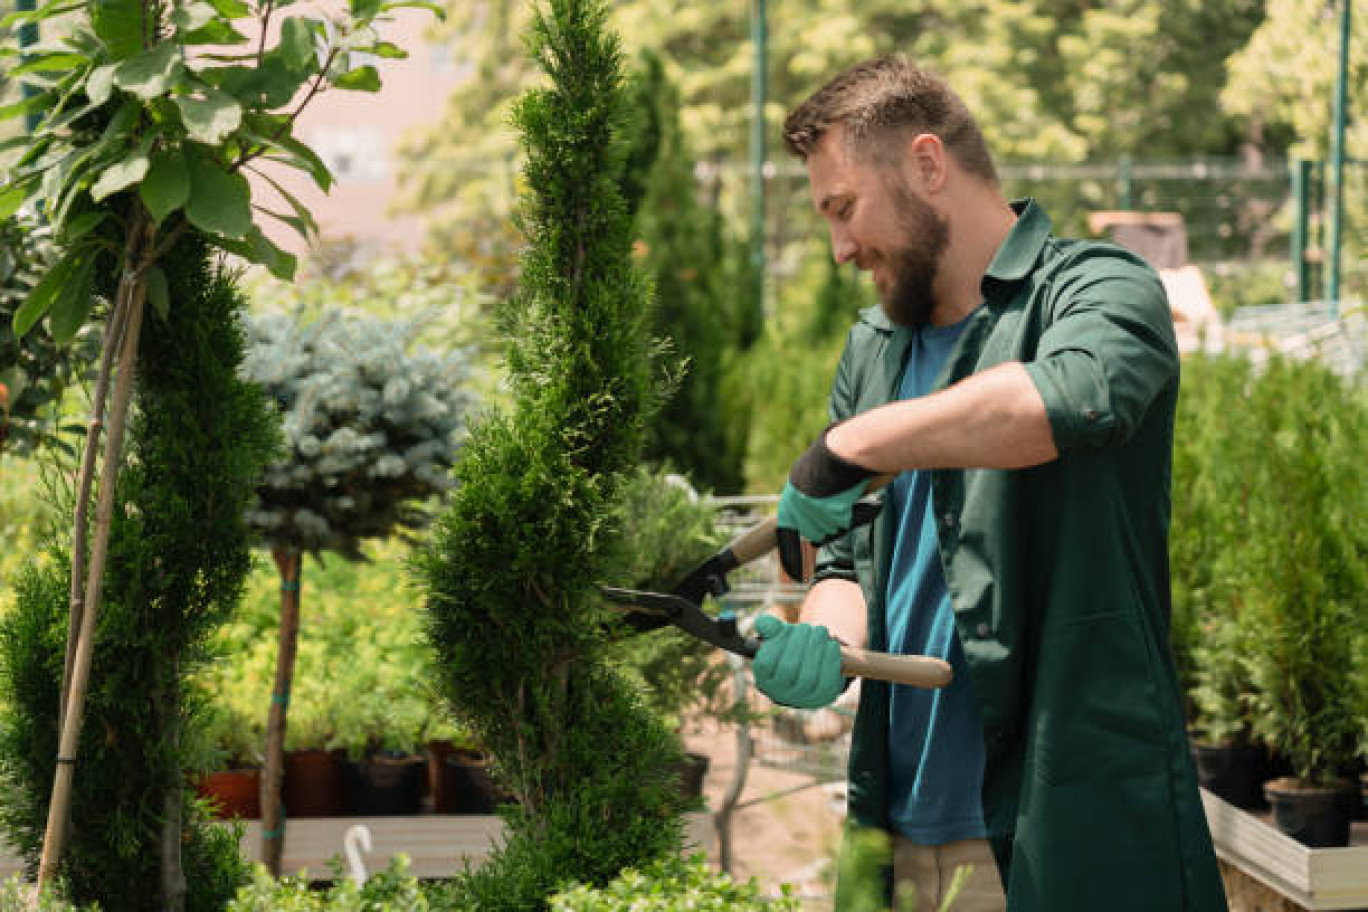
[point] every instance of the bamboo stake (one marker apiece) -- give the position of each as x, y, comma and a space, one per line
79, 528
54, 839
289, 562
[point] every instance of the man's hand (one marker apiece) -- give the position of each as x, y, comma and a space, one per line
818, 502
798, 665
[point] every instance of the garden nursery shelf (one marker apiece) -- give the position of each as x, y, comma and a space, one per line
1312, 878
436, 845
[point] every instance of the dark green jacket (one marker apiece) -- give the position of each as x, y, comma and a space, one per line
1059, 580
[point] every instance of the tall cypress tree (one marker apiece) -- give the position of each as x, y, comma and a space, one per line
511, 573
179, 556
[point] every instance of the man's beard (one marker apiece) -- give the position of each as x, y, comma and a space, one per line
909, 301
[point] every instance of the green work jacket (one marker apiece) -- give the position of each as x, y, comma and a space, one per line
1059, 580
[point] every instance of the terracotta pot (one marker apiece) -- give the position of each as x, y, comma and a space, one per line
1316, 817
383, 786
313, 783
234, 793
1234, 772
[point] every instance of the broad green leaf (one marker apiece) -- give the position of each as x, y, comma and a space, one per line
193, 16
389, 51
362, 79
120, 175
297, 47
71, 306
81, 225
42, 295
220, 203
167, 184
11, 198
211, 118
119, 25
158, 292
48, 63
215, 32
151, 73
101, 83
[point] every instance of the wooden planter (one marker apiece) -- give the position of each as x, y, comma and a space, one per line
233, 793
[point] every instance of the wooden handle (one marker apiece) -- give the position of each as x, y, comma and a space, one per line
757, 541
916, 671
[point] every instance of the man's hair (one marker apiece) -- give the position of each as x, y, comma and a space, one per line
882, 98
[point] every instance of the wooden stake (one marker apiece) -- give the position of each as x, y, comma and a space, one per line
289, 562
54, 839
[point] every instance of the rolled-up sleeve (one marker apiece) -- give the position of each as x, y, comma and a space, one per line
1108, 352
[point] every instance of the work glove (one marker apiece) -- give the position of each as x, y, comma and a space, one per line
818, 502
797, 665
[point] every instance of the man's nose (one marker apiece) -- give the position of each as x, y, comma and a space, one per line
843, 247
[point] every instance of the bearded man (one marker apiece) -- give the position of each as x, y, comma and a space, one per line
1020, 388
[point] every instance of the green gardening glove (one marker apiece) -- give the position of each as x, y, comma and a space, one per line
798, 665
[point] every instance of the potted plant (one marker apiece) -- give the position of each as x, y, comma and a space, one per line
1229, 763
1306, 588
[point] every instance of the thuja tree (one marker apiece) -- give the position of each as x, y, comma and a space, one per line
372, 425
511, 572
179, 554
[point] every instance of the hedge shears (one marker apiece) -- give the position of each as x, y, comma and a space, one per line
683, 608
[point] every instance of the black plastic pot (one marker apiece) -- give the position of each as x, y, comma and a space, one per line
1315, 817
1234, 772
468, 786
692, 771
383, 786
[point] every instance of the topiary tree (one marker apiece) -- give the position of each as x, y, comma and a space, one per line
179, 553
372, 426
511, 572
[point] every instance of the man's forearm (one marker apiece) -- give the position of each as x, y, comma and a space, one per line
992, 420
839, 606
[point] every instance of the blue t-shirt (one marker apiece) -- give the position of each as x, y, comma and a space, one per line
935, 736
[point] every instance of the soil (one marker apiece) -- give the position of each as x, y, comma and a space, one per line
786, 827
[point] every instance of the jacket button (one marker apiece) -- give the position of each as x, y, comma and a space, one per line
983, 630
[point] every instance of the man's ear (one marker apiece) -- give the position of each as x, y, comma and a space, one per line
927, 161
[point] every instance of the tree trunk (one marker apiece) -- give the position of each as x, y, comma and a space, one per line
173, 884
289, 563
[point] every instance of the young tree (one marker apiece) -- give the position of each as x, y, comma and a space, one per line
371, 426
149, 113
179, 554
511, 574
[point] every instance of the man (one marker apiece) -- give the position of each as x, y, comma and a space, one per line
1022, 387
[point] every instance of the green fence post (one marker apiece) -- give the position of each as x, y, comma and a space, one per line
1301, 225
759, 91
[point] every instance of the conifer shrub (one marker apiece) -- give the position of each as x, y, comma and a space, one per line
511, 573
179, 554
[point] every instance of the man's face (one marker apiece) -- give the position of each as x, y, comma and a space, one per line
877, 220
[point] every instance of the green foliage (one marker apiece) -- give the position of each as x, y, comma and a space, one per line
672, 885
512, 570
15, 897
149, 115
686, 251
371, 424
1267, 552
178, 556
34, 370
391, 890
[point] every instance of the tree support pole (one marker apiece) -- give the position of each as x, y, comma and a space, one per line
288, 562
54, 839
